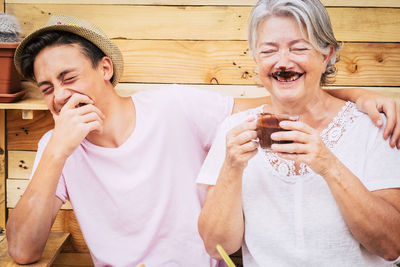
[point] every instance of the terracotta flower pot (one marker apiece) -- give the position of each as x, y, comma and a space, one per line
10, 80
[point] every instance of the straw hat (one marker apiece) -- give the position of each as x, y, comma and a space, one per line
83, 28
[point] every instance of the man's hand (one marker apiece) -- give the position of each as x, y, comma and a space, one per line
74, 122
372, 104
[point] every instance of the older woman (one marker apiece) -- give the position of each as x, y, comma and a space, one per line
332, 197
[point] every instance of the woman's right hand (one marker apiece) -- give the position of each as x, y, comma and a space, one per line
241, 144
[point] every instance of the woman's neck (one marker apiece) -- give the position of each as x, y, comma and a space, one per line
318, 110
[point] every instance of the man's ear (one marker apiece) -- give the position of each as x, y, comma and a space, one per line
106, 66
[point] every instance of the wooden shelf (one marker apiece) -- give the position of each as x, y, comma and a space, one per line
32, 100
25, 104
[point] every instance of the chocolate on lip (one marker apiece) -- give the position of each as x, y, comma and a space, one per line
285, 74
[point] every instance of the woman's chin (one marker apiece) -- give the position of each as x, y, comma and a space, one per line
288, 95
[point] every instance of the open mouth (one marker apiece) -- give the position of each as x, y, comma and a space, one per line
286, 76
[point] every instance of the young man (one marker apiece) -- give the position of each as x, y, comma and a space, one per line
127, 165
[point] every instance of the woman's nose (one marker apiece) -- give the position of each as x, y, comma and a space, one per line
283, 60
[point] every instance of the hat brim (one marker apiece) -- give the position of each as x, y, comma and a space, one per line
104, 44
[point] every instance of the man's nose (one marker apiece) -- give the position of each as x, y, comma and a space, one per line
61, 95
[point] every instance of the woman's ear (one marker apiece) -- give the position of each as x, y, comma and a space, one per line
327, 57
107, 68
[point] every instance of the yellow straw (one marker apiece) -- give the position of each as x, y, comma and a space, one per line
225, 256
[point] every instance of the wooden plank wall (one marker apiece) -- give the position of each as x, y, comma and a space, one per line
2, 160
200, 42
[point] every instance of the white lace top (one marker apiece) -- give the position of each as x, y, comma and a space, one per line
291, 217
330, 136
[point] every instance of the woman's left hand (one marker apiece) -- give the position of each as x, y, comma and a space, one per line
372, 104
307, 146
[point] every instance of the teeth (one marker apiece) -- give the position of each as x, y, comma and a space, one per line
288, 79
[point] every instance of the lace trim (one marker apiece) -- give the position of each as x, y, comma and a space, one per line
330, 136
335, 130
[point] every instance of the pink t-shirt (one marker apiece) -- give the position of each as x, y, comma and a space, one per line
139, 203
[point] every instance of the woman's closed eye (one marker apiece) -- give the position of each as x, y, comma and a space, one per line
299, 49
268, 51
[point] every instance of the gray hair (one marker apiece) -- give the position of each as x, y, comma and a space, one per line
309, 13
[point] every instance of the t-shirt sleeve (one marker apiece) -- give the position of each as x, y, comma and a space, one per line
382, 163
205, 110
212, 165
61, 191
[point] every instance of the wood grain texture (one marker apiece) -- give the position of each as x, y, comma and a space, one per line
229, 62
208, 62
144, 22
65, 259
362, 3
2, 169
15, 189
20, 164
352, 3
204, 22
26, 104
2, 4
20, 133
53, 247
373, 64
